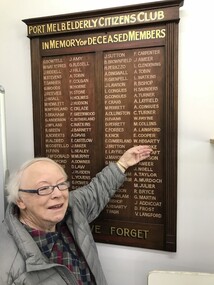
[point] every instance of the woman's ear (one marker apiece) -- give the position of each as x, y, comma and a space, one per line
20, 203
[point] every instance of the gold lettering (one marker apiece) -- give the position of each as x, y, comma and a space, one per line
39, 29
96, 229
98, 22
126, 232
104, 39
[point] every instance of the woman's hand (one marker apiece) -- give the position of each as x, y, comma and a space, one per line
134, 155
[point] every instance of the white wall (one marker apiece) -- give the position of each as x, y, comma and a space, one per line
127, 265
3, 153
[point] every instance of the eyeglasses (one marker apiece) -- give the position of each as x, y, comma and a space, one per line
47, 190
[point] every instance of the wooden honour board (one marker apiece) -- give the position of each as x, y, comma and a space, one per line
103, 81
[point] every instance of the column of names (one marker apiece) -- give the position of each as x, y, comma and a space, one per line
118, 135
147, 130
82, 118
55, 111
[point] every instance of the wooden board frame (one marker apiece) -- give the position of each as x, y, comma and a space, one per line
88, 45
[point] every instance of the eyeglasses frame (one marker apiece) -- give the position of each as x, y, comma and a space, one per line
36, 191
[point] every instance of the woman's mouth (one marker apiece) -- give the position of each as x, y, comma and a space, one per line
56, 207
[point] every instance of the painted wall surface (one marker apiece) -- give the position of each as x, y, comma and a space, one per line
3, 153
195, 223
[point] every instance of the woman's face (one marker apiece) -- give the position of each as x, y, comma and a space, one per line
42, 212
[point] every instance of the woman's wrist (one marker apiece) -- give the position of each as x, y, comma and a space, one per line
121, 166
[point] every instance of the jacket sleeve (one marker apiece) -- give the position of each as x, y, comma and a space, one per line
8, 257
92, 198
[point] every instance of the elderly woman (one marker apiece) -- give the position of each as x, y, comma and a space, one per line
45, 237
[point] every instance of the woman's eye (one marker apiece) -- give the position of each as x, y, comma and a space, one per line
44, 188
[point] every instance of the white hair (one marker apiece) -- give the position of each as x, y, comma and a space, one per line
14, 182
